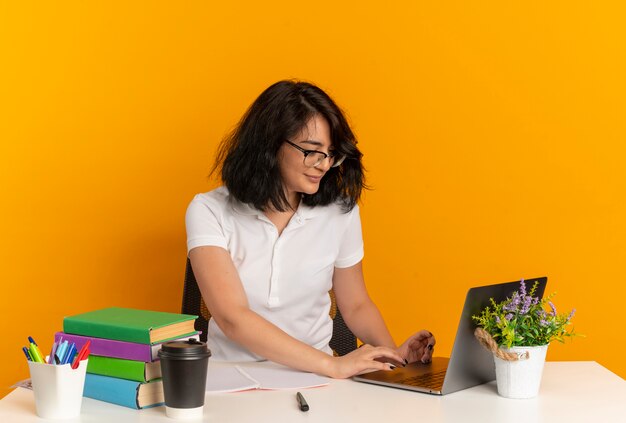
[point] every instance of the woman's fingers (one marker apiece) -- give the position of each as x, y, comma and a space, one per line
392, 361
419, 347
381, 354
423, 337
368, 358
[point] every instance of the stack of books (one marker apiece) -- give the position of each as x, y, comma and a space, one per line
124, 365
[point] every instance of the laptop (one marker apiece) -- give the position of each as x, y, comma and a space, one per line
470, 364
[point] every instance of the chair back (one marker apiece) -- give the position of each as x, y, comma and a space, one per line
342, 341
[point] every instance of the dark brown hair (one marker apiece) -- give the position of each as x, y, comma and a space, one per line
247, 158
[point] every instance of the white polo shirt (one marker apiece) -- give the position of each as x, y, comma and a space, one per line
286, 277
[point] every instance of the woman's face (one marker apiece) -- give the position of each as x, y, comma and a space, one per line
298, 178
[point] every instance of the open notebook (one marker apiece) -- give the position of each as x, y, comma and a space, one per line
233, 378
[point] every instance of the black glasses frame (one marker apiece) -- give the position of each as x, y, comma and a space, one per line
335, 163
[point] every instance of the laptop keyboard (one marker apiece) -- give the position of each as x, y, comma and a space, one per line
430, 380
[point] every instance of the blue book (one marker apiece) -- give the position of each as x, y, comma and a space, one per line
127, 393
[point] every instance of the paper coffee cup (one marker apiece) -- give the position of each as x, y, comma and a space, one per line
184, 367
58, 389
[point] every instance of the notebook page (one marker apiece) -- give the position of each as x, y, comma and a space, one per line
228, 379
276, 377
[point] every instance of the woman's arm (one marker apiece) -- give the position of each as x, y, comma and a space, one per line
357, 308
365, 321
225, 297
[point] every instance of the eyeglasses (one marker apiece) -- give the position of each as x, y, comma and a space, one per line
313, 158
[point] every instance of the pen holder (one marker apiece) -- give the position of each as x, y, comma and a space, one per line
58, 389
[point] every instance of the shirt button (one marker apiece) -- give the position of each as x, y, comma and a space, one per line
274, 302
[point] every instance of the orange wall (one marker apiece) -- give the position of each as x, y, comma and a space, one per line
494, 137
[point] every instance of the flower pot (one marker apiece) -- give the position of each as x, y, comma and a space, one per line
521, 378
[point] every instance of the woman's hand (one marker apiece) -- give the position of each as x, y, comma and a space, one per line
364, 359
418, 347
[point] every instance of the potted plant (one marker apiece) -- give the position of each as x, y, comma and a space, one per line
518, 331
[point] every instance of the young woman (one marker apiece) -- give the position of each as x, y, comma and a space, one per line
283, 230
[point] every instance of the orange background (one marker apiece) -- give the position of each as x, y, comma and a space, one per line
494, 138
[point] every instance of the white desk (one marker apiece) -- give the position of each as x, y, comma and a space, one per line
570, 392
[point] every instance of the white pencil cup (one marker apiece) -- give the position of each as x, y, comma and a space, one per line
58, 389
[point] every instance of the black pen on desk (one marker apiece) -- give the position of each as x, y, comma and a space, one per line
302, 402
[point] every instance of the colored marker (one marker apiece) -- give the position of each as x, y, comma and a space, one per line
61, 349
35, 354
27, 354
52, 352
70, 353
65, 353
82, 354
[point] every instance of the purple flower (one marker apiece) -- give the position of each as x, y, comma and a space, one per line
526, 305
513, 304
571, 315
498, 320
542, 318
522, 288
509, 316
553, 308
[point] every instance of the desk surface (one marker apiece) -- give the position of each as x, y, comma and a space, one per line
570, 391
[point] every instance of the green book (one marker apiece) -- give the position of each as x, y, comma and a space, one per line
131, 325
139, 371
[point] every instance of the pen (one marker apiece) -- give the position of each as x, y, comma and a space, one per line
34, 351
27, 354
61, 350
302, 402
52, 352
69, 355
82, 354
35, 354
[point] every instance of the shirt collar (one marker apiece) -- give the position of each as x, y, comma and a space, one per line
303, 211
244, 208
308, 212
